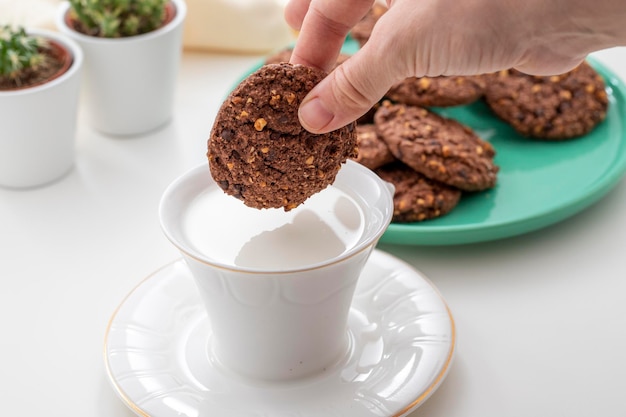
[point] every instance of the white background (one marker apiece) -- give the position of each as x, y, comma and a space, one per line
541, 318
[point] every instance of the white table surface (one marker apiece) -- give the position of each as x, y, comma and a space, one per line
541, 318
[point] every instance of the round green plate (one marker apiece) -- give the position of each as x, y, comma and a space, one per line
539, 183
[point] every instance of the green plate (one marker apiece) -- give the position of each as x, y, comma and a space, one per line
539, 183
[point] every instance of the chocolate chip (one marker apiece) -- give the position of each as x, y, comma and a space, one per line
227, 134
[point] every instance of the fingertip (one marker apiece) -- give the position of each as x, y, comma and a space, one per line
294, 13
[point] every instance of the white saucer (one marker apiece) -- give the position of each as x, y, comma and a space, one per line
401, 336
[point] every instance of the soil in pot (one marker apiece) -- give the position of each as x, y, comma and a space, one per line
58, 61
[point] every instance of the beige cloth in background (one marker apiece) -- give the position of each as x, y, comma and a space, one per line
240, 26
29, 13
254, 26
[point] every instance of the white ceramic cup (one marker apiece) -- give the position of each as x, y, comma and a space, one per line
278, 323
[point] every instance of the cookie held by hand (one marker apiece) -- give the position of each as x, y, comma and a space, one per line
259, 152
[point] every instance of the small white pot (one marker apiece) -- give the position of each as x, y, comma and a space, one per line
38, 125
130, 82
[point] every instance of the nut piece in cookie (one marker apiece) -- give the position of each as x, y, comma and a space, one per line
417, 197
441, 91
373, 151
259, 152
363, 29
440, 148
551, 108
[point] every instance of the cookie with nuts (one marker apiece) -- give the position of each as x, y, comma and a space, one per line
444, 91
549, 107
259, 152
373, 151
440, 148
416, 196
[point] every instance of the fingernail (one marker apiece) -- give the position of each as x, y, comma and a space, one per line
314, 116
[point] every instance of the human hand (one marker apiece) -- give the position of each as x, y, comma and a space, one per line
440, 37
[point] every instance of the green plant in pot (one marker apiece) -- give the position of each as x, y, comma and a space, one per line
25, 60
39, 88
117, 18
132, 53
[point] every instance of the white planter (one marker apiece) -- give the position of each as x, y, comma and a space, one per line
38, 125
130, 82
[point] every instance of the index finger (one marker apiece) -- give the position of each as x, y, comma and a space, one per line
324, 29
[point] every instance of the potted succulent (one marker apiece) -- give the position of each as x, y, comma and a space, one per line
132, 53
39, 91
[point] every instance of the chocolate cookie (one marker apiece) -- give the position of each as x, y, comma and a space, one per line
438, 91
417, 197
259, 152
373, 151
440, 148
552, 108
363, 29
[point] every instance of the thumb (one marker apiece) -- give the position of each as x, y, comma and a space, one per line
349, 91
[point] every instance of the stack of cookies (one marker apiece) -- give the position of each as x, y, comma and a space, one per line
432, 160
